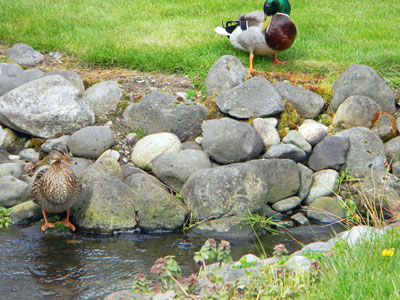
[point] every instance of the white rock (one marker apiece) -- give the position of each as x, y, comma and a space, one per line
313, 131
266, 129
151, 146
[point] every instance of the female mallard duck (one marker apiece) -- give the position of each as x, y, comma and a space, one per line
262, 35
56, 189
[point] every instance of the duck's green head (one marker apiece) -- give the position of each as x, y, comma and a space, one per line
272, 7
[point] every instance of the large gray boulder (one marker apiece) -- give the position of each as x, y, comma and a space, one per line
72, 76
226, 73
161, 112
13, 191
255, 97
44, 107
91, 142
305, 102
226, 190
157, 209
12, 76
174, 168
103, 97
24, 55
281, 175
362, 80
228, 141
330, 153
356, 111
106, 205
366, 151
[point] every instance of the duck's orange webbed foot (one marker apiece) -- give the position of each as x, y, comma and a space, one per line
46, 224
278, 62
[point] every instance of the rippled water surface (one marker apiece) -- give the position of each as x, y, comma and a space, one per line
34, 265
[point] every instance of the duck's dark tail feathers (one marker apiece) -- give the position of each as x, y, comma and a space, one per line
230, 26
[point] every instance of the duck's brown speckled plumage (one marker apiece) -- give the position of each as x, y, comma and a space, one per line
56, 188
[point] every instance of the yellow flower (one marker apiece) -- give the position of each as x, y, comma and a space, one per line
388, 252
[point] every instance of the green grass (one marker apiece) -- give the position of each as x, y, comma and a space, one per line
361, 272
178, 35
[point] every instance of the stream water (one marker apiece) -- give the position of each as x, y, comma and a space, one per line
34, 265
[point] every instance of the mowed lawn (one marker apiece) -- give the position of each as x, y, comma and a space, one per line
178, 35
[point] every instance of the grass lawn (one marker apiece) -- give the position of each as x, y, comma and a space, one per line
178, 35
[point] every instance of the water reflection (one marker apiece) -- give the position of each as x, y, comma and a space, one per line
34, 265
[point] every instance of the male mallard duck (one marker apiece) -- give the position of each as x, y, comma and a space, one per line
56, 189
261, 34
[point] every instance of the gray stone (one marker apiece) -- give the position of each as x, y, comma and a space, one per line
286, 204
132, 138
29, 155
315, 248
227, 228
24, 55
13, 169
300, 219
255, 97
191, 145
7, 137
103, 97
324, 184
72, 76
330, 153
152, 146
63, 140
288, 151
107, 165
313, 131
174, 168
91, 142
113, 154
226, 73
362, 80
282, 177
298, 263
225, 190
381, 189
386, 127
12, 76
156, 208
267, 131
325, 210
44, 107
366, 151
228, 141
356, 111
396, 169
305, 102
25, 213
392, 150
306, 181
106, 205
13, 191
295, 138
80, 165
358, 234
161, 112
